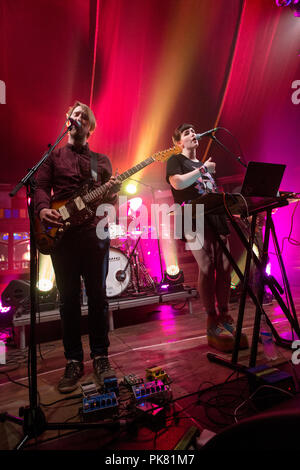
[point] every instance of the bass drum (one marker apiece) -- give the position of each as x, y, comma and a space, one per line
117, 279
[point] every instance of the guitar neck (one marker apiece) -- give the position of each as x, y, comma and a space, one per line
97, 193
136, 168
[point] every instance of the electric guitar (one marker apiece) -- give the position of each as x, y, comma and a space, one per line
81, 208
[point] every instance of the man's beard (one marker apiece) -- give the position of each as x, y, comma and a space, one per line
79, 135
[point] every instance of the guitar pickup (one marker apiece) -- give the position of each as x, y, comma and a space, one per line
79, 203
64, 212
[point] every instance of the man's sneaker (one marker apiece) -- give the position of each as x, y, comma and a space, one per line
102, 369
228, 323
218, 337
73, 372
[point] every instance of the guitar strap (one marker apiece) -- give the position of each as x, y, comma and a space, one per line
94, 166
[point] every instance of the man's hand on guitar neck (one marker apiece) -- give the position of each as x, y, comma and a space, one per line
50, 216
114, 186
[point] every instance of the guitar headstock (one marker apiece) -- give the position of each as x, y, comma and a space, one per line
166, 154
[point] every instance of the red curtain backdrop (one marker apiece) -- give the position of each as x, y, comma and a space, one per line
145, 67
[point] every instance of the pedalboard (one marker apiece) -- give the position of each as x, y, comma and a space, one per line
96, 405
99, 406
111, 385
151, 390
152, 415
132, 380
157, 373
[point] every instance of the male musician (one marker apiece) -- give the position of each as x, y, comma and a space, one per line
80, 252
189, 178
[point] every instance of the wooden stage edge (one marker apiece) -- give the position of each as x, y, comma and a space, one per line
185, 293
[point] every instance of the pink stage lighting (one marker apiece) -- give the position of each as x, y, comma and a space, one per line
4, 309
293, 4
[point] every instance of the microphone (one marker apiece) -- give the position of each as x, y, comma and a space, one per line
199, 136
74, 122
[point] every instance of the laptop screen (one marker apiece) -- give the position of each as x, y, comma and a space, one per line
262, 179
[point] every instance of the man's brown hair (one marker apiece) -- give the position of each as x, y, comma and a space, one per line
89, 112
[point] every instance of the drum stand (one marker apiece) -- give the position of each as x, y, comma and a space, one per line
138, 270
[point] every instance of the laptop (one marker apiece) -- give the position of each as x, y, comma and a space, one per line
262, 179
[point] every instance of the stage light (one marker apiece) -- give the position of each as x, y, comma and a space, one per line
283, 3
17, 296
6, 316
173, 270
44, 285
172, 282
131, 188
296, 9
4, 309
164, 286
46, 275
293, 4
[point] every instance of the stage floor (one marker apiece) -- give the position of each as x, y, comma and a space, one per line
165, 335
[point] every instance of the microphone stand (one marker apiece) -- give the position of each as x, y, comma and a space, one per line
228, 151
32, 417
34, 420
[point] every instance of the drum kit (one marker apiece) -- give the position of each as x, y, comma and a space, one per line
127, 272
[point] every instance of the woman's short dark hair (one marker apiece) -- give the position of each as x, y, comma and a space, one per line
178, 131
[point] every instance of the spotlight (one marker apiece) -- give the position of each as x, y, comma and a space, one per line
293, 4
172, 282
17, 296
283, 3
44, 285
6, 316
296, 9
173, 270
4, 309
131, 188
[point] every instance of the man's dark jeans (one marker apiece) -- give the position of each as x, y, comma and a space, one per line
81, 253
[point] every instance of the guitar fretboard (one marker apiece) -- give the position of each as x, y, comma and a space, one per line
97, 193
